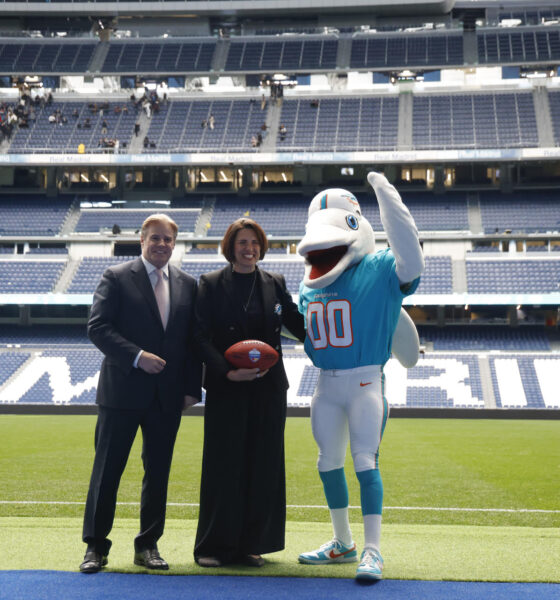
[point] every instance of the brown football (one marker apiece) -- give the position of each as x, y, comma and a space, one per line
250, 354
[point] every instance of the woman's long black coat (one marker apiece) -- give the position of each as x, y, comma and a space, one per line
243, 492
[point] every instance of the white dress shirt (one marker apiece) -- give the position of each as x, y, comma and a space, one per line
151, 270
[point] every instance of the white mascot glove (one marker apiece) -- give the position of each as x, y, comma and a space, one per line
400, 229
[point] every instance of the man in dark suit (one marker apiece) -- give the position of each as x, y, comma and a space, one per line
141, 319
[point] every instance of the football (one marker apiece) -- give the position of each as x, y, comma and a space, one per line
250, 354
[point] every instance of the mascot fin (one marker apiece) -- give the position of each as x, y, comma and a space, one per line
406, 343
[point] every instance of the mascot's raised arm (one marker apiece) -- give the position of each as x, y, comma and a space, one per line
351, 298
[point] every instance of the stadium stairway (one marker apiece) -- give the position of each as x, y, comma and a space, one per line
72, 218
475, 218
5, 146
220, 55
470, 51
272, 122
203, 222
542, 113
99, 56
137, 141
67, 276
459, 276
404, 139
486, 381
344, 53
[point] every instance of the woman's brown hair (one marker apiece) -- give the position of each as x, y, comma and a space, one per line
229, 237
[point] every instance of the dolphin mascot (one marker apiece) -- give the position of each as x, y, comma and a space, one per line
351, 298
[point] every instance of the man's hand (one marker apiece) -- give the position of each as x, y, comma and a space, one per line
245, 374
189, 401
151, 363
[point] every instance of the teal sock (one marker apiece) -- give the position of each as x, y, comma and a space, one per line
371, 491
336, 488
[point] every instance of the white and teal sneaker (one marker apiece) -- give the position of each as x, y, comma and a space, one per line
329, 553
371, 565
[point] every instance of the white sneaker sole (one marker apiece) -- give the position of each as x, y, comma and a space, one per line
331, 561
371, 576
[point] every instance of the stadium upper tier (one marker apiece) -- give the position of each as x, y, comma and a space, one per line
282, 214
33, 215
474, 121
377, 51
484, 120
537, 275
105, 219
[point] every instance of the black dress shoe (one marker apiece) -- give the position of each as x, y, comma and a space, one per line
150, 559
209, 561
93, 562
252, 560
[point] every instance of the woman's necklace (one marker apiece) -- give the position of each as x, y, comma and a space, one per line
246, 305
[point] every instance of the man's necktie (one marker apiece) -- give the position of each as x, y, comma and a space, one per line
161, 297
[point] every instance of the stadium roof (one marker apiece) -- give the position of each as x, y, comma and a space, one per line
236, 8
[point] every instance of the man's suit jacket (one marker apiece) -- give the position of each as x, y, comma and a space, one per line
220, 322
125, 319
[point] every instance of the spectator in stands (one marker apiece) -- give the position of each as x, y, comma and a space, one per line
104, 127
254, 141
146, 142
142, 321
211, 121
146, 105
136, 129
283, 132
242, 496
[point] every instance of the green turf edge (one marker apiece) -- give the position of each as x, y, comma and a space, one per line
426, 552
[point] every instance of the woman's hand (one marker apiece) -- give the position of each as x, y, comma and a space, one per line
245, 374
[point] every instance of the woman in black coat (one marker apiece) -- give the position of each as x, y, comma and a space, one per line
243, 490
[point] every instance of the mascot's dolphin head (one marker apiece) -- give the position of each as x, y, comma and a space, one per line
337, 236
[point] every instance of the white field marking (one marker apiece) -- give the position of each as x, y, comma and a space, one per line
426, 508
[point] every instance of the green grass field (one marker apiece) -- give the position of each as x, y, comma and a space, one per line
500, 477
